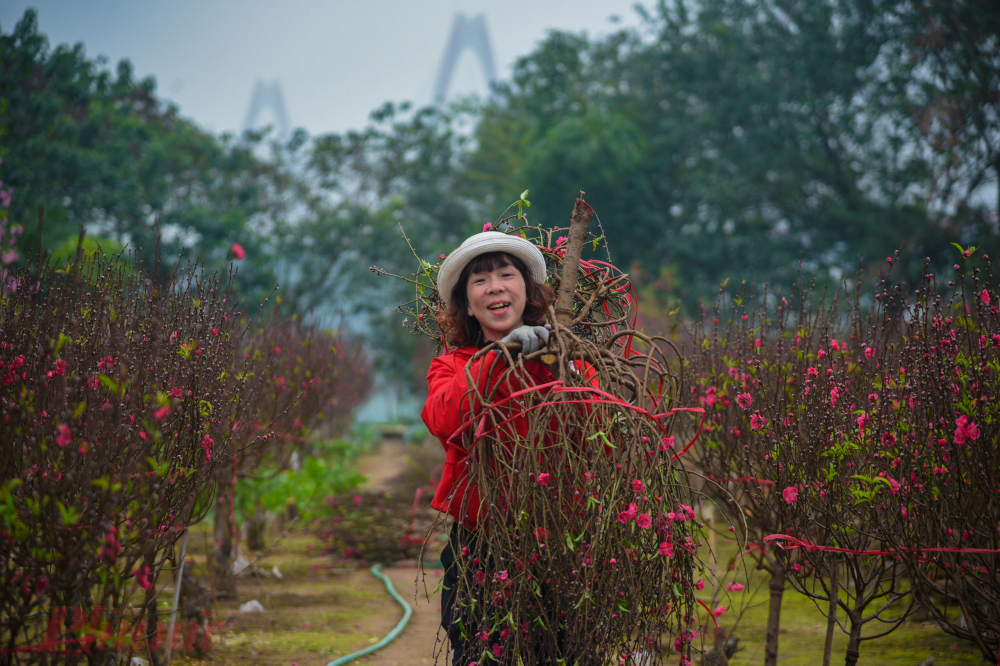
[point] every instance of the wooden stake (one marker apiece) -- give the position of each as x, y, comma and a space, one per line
177, 597
579, 222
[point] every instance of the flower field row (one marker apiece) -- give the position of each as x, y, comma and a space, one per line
130, 407
862, 443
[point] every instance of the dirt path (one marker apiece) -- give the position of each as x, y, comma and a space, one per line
385, 469
385, 466
416, 645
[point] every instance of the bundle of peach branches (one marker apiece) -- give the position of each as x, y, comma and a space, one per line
586, 549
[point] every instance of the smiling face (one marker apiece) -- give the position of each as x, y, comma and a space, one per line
496, 299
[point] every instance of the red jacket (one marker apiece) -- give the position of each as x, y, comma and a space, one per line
447, 407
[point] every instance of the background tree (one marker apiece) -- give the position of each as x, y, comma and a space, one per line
723, 139
101, 150
731, 138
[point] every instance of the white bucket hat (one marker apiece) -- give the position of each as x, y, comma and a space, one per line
488, 241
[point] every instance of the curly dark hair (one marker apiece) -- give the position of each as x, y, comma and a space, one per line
462, 329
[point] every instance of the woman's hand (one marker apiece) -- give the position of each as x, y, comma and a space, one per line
532, 338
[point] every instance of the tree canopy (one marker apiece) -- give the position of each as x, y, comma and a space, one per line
720, 139
729, 138
101, 150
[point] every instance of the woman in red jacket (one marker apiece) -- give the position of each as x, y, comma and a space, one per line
494, 288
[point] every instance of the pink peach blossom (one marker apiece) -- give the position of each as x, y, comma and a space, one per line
965, 430
63, 436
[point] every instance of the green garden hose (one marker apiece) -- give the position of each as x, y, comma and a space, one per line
392, 635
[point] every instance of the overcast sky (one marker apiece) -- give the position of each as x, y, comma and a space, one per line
336, 60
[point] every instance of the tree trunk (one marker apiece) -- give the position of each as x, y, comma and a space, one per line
777, 588
224, 581
831, 618
854, 642
152, 618
256, 529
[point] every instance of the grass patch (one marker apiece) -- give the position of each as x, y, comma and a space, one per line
311, 616
803, 629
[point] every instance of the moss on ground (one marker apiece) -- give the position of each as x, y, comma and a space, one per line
311, 616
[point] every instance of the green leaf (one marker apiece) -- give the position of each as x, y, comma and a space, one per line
63, 339
69, 515
111, 384
523, 194
604, 438
159, 469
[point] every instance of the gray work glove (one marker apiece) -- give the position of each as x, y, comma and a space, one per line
532, 338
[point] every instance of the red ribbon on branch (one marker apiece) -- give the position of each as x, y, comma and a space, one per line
896, 552
558, 386
761, 482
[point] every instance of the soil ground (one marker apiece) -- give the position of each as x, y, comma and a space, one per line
314, 615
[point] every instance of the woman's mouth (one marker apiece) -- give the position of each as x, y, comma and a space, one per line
498, 308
